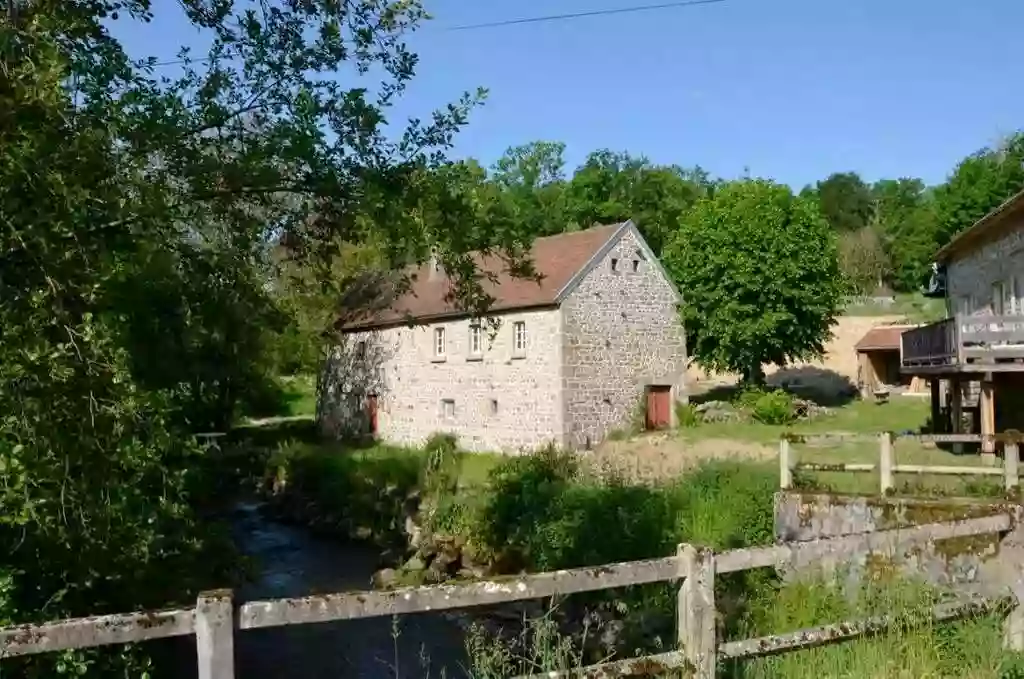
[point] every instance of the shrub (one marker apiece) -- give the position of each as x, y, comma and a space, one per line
767, 407
686, 415
440, 471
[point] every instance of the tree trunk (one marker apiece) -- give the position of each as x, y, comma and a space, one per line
753, 376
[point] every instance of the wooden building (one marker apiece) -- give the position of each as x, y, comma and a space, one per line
982, 339
878, 362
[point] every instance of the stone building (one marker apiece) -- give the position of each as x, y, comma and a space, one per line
595, 344
978, 350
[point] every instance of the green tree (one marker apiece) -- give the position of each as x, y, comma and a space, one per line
906, 221
863, 260
530, 178
979, 184
845, 200
759, 272
137, 210
612, 187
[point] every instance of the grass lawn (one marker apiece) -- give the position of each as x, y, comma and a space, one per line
916, 307
299, 395
902, 414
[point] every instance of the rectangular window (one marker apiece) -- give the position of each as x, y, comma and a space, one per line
361, 350
636, 265
519, 337
439, 343
494, 406
448, 408
615, 265
475, 339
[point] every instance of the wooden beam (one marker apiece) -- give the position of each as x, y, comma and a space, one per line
986, 401
348, 606
98, 630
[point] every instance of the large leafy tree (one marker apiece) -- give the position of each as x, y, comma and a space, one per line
136, 213
531, 182
759, 273
845, 200
612, 187
905, 220
979, 183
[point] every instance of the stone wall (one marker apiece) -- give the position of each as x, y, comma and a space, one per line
969, 279
985, 564
622, 332
501, 401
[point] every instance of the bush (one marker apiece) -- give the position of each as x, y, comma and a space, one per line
768, 407
351, 492
687, 415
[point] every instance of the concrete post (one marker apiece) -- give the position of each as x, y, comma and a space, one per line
885, 462
1013, 624
214, 624
696, 610
1011, 465
785, 466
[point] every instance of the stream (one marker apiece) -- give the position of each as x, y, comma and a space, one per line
290, 562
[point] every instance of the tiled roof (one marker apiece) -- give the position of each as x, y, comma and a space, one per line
886, 337
555, 258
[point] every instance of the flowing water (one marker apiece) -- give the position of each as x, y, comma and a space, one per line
289, 563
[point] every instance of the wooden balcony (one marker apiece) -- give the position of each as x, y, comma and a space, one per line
964, 344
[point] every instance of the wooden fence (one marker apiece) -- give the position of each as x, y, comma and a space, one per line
216, 619
887, 466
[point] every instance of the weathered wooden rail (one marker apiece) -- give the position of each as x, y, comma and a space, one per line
978, 343
887, 466
216, 619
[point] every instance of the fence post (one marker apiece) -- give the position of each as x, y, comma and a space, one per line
885, 462
785, 467
1013, 624
696, 610
214, 624
1011, 465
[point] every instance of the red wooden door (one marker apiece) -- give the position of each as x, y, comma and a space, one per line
659, 406
371, 412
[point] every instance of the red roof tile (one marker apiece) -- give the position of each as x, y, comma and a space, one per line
555, 258
882, 338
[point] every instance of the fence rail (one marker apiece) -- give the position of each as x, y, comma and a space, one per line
214, 621
887, 467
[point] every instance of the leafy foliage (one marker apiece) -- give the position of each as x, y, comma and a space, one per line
845, 200
759, 271
137, 298
979, 183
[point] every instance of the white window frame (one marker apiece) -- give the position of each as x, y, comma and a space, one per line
519, 338
448, 408
440, 343
476, 339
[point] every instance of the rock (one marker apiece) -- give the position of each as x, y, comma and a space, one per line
415, 564
472, 573
384, 578
414, 532
363, 533
718, 411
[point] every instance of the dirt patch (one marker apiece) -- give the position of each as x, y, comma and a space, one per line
659, 457
840, 356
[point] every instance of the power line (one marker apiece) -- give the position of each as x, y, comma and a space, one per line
537, 20
592, 13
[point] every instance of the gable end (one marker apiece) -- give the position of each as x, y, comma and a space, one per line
627, 227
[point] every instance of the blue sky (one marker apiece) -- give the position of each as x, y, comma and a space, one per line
791, 89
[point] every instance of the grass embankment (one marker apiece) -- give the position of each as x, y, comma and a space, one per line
749, 438
544, 512
915, 307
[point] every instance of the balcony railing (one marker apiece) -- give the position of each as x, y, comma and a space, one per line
971, 342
